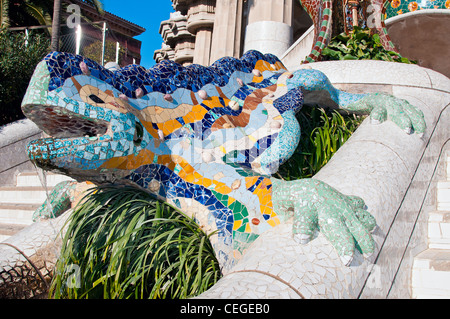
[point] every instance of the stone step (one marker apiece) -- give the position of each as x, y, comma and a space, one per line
431, 274
439, 230
17, 204
23, 195
33, 179
18, 214
443, 196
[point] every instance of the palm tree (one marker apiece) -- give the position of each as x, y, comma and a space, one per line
40, 10
25, 12
56, 25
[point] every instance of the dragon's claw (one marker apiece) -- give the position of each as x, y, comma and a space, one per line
340, 218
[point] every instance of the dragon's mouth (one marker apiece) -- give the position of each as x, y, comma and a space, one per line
69, 135
58, 122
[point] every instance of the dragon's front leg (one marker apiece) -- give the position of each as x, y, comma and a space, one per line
380, 106
315, 205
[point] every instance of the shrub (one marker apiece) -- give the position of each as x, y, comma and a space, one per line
17, 63
360, 45
126, 244
323, 132
94, 52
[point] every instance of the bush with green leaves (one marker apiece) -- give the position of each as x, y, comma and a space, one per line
360, 45
18, 59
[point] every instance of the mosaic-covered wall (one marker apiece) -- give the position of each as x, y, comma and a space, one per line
397, 7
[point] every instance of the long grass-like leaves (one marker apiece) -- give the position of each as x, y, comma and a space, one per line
125, 244
323, 132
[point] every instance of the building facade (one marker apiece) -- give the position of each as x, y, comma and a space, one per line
118, 30
194, 33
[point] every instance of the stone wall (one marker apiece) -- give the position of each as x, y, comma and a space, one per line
13, 157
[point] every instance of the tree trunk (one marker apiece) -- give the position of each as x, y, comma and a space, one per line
4, 13
56, 25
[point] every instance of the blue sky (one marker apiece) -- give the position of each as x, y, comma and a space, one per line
147, 14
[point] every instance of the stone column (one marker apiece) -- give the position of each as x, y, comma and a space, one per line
175, 34
200, 22
269, 28
226, 39
202, 50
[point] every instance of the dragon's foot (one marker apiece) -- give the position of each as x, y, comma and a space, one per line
65, 195
342, 219
384, 107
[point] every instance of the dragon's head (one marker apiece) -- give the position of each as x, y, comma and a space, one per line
88, 120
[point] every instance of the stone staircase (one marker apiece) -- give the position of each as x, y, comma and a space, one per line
431, 268
18, 203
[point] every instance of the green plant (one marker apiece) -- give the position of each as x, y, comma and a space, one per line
18, 59
25, 13
323, 133
360, 45
128, 245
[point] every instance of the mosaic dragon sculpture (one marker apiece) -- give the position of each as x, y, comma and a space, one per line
205, 139
370, 14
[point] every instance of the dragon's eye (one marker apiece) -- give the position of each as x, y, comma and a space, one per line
96, 99
138, 134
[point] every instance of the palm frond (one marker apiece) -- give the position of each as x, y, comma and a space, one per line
98, 5
37, 12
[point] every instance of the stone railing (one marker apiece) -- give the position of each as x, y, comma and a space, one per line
14, 138
299, 50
